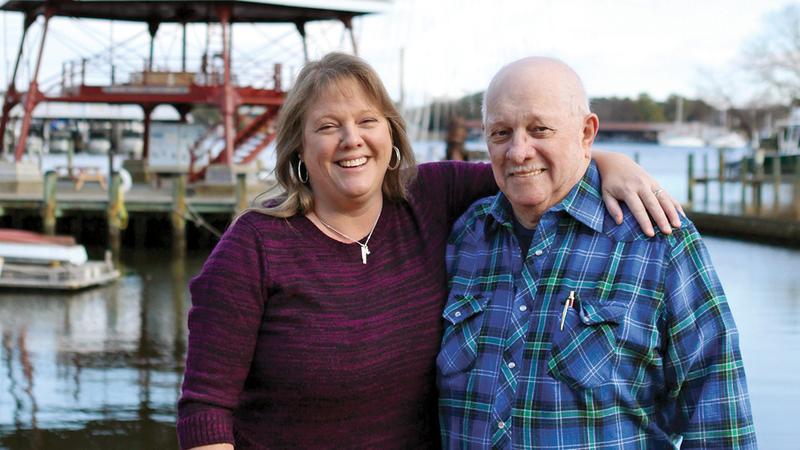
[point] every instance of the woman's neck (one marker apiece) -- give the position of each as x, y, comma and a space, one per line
356, 222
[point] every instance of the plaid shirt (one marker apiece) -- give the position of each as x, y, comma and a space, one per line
648, 355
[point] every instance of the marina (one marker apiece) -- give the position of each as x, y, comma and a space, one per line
144, 162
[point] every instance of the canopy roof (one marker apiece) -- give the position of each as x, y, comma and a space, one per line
292, 11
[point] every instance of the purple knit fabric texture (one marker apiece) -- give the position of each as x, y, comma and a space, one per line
293, 342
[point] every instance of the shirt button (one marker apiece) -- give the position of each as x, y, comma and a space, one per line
457, 314
523, 308
501, 424
538, 253
511, 365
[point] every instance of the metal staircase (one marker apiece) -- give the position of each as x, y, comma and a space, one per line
250, 141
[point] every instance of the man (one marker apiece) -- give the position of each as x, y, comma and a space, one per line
564, 329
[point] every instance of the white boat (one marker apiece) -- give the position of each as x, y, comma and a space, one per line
788, 133
728, 140
32, 260
685, 141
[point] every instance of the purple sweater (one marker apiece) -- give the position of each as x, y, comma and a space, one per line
293, 342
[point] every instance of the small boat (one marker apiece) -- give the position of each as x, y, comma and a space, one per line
33, 260
680, 140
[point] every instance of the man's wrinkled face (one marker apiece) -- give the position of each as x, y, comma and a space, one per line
537, 139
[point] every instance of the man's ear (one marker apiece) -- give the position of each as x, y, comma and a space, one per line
590, 126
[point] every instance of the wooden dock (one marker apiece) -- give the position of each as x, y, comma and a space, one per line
765, 205
169, 198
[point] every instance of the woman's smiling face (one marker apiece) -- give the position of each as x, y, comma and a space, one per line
347, 146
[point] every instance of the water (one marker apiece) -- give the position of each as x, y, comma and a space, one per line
101, 369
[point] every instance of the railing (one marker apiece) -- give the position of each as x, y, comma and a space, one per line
89, 71
767, 193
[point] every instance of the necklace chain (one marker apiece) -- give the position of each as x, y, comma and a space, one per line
364, 247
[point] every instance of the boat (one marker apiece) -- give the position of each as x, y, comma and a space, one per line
788, 133
37, 261
728, 140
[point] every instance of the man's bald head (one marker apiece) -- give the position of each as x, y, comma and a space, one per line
539, 133
550, 73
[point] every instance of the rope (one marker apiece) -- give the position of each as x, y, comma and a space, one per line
198, 220
118, 213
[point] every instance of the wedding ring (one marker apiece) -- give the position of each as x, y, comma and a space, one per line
657, 191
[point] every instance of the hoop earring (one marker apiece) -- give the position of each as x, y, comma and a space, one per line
299, 173
399, 158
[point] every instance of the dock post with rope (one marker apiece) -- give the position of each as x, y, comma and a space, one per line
49, 204
117, 216
178, 216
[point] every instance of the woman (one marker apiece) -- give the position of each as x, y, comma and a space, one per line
316, 320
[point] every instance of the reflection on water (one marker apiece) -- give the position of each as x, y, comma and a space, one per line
100, 368
763, 287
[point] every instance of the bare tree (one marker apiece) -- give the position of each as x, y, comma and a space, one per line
772, 57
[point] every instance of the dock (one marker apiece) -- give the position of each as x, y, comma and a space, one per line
102, 215
749, 201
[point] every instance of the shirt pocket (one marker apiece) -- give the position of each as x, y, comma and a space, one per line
583, 354
464, 316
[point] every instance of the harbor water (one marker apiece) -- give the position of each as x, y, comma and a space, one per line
101, 369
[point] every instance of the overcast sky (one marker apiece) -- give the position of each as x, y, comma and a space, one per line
452, 47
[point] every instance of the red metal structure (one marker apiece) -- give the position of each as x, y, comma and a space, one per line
150, 90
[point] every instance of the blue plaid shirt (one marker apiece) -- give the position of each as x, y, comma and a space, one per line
648, 356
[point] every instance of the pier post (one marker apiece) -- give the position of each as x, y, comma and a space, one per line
743, 182
706, 175
758, 179
721, 177
690, 193
796, 193
115, 214
241, 192
50, 204
178, 216
777, 180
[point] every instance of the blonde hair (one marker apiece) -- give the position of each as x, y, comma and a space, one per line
314, 79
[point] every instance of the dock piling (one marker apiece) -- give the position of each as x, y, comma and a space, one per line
721, 177
113, 214
690, 193
796, 193
777, 181
241, 193
178, 215
743, 183
758, 179
706, 175
50, 204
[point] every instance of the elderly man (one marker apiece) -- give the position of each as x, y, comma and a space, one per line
564, 329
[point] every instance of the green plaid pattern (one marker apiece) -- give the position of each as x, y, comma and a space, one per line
648, 356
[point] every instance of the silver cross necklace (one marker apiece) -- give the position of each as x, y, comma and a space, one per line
364, 246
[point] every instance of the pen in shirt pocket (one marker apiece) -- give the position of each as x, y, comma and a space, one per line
568, 303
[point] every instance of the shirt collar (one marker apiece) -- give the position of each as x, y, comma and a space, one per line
583, 202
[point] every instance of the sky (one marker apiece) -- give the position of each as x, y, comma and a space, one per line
452, 48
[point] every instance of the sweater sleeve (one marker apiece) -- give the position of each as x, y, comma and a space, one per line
227, 305
458, 183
